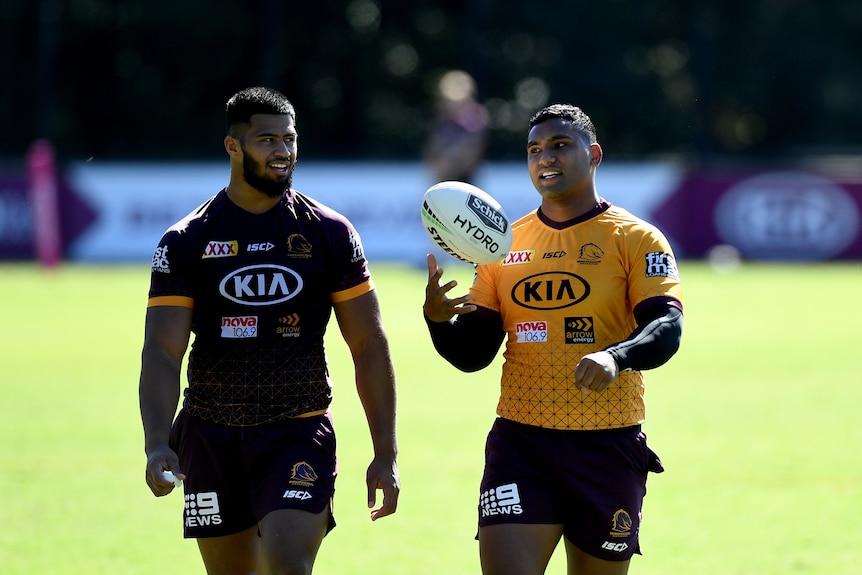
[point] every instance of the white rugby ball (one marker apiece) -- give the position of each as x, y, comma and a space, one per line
466, 222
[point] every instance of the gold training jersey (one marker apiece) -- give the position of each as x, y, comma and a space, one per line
565, 291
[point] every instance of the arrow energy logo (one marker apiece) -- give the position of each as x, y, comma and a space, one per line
289, 325
580, 330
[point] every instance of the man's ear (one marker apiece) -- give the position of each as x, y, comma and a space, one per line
595, 154
231, 145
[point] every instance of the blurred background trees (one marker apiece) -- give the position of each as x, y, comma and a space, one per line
147, 79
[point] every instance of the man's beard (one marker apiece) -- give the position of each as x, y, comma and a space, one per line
263, 184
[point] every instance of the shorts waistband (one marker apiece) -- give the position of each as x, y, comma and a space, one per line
311, 413
612, 431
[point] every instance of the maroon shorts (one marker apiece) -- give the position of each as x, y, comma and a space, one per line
236, 475
591, 482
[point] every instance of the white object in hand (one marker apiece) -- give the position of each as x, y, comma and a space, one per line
172, 478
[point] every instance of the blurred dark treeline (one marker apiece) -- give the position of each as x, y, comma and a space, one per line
147, 79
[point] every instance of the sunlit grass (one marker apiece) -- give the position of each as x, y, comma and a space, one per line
755, 421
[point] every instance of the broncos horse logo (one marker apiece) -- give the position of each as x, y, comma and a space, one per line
303, 474
622, 524
297, 243
591, 252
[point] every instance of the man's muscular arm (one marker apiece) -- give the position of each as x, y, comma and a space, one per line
650, 345
470, 341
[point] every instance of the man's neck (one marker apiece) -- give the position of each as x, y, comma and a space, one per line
250, 199
571, 209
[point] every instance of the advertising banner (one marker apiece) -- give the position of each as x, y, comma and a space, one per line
782, 215
117, 212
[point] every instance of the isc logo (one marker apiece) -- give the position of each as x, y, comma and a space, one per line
260, 285
260, 247
618, 547
300, 494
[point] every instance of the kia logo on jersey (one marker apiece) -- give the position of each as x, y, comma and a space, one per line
260, 285
550, 290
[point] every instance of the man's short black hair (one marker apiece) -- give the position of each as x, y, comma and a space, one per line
567, 112
257, 100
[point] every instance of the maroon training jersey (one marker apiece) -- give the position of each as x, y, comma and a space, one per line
262, 288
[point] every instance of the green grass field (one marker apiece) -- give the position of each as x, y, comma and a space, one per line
756, 420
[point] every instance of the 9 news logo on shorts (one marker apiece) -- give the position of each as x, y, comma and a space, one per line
202, 509
502, 500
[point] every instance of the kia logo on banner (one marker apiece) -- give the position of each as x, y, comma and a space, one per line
787, 216
772, 214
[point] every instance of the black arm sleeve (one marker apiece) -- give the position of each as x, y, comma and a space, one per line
470, 341
655, 340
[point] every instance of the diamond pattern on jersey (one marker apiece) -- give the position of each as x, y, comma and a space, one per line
270, 373
607, 251
538, 389
257, 385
